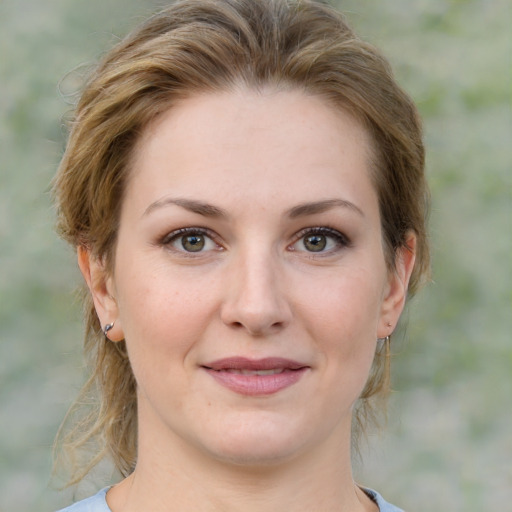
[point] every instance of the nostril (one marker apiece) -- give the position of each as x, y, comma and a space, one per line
258, 330
257, 313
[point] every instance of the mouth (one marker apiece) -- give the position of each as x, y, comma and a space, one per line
274, 371
256, 377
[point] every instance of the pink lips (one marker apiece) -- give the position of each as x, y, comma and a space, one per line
256, 376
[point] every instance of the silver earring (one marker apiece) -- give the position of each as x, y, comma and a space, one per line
107, 328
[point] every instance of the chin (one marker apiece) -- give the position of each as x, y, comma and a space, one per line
258, 444
255, 455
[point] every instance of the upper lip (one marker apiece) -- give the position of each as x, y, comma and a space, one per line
243, 363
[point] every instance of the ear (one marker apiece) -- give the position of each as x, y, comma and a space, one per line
396, 289
101, 287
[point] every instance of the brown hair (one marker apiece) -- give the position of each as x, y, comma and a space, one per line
215, 45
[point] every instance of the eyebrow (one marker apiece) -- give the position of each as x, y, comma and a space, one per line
322, 206
199, 207
209, 210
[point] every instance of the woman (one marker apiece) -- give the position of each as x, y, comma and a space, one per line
244, 186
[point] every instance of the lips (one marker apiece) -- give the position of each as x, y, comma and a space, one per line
256, 377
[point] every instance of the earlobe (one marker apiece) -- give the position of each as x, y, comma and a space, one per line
101, 288
396, 292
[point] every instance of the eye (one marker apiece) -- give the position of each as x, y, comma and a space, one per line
320, 240
190, 240
315, 243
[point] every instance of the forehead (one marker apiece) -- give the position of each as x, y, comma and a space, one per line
261, 144
254, 111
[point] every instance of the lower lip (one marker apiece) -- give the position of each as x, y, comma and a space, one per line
257, 385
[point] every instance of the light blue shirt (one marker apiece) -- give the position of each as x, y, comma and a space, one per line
98, 503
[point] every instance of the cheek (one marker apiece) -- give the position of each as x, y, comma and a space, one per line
162, 315
343, 317
346, 302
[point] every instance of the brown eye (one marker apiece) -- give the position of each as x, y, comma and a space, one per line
193, 243
315, 243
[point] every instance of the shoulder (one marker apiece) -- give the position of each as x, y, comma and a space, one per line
96, 503
383, 505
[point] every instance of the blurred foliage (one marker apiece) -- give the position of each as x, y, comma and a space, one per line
448, 443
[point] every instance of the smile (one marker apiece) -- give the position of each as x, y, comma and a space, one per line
275, 371
256, 377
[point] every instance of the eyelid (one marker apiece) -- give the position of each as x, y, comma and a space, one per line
341, 239
170, 237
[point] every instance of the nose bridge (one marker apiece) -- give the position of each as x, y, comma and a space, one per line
256, 299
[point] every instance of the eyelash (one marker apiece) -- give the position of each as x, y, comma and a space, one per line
340, 239
174, 236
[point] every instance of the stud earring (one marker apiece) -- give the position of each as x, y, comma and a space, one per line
387, 338
107, 328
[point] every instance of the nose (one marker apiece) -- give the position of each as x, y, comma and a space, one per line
256, 296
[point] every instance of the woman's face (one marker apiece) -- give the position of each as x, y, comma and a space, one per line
250, 282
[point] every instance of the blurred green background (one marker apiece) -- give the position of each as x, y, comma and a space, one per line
448, 445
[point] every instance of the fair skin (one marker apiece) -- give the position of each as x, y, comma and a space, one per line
251, 332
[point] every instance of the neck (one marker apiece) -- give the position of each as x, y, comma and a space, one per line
172, 475
231, 489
